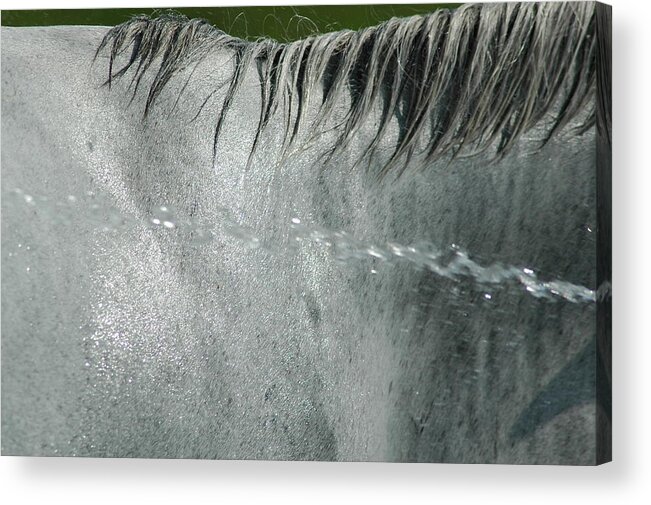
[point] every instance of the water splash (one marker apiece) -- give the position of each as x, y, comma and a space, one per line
450, 262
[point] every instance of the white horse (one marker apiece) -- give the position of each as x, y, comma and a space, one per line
375, 246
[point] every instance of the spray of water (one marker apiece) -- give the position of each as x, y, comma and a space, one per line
450, 262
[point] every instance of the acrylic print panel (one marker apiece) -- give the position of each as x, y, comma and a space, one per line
357, 243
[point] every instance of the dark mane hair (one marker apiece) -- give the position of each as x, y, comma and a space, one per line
478, 76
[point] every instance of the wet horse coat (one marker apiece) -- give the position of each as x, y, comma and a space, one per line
297, 253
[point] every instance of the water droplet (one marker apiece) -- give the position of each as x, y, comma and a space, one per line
376, 253
201, 236
253, 243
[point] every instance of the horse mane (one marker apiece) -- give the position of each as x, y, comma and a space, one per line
477, 76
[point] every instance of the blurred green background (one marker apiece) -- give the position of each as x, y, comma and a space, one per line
278, 22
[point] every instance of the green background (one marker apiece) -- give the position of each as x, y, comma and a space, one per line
278, 22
